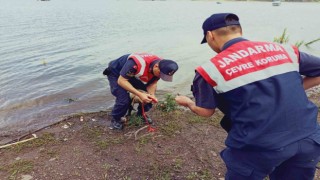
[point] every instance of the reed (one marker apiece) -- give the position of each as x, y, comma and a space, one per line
284, 39
313, 41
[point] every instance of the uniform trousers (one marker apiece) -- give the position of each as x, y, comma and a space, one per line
296, 161
122, 102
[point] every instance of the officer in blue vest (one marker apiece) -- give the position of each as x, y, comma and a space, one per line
133, 73
260, 87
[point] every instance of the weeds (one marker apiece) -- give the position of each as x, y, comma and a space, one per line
144, 140
107, 166
178, 164
97, 135
284, 39
160, 172
20, 166
103, 144
92, 133
197, 120
50, 153
126, 178
170, 128
311, 42
134, 121
203, 175
137, 148
168, 105
46, 138
299, 43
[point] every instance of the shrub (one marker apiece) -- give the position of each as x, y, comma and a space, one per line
168, 104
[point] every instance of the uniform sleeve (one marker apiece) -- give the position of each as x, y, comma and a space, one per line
203, 93
309, 65
129, 69
154, 79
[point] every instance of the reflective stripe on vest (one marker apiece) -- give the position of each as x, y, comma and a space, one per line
246, 62
143, 61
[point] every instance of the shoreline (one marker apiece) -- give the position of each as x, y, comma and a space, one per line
184, 146
313, 93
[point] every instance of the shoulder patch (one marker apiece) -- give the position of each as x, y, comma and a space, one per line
131, 72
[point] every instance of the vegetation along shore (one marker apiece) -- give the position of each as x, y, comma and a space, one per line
184, 146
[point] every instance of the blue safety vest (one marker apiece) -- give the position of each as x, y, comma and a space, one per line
259, 86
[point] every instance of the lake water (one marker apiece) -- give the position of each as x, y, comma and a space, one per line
52, 51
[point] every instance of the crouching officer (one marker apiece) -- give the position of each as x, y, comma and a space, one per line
133, 73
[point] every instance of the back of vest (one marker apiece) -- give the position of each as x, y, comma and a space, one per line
261, 91
117, 64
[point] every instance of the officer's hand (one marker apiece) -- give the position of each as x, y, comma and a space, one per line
183, 100
145, 98
153, 98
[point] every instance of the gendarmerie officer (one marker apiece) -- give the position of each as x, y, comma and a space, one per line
260, 87
133, 73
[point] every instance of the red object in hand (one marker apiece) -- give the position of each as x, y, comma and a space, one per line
150, 129
153, 99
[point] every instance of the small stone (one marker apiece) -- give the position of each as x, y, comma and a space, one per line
65, 126
26, 177
214, 153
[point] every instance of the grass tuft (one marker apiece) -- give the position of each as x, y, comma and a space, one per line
203, 175
46, 138
18, 167
170, 128
284, 39
167, 105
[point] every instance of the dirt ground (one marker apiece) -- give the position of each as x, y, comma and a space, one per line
81, 147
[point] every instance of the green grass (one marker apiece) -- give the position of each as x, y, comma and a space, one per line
134, 121
49, 153
18, 167
159, 172
92, 133
46, 138
170, 128
284, 39
98, 137
168, 104
313, 41
197, 120
144, 140
105, 143
178, 163
203, 175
